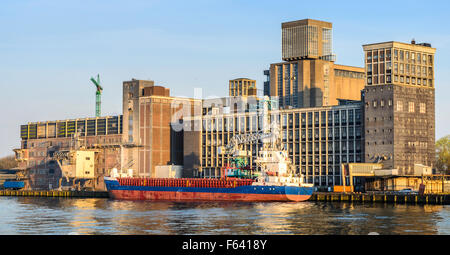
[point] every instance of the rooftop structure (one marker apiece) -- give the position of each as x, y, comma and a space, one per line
310, 77
242, 87
307, 39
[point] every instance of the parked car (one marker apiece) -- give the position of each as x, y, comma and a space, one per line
407, 191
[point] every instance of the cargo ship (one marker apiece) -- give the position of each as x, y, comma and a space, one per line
274, 180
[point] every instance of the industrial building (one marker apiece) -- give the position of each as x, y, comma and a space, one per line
328, 115
148, 112
318, 140
309, 76
399, 104
43, 141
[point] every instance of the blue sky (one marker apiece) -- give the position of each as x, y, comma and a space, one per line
50, 49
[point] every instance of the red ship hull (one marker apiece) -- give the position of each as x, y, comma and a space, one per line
204, 196
202, 190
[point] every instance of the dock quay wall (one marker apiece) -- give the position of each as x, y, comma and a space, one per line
441, 199
55, 193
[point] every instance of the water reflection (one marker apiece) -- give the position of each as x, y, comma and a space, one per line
30, 215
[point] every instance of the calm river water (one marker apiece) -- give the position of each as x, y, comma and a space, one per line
70, 216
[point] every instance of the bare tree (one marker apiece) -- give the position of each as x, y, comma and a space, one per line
8, 162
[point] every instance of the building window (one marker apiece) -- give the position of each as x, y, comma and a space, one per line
399, 106
411, 107
374, 104
375, 56
422, 108
388, 67
130, 126
388, 79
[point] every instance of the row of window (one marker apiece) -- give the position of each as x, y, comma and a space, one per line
401, 79
94, 127
387, 130
348, 74
413, 80
310, 147
375, 69
343, 135
254, 123
299, 161
65, 144
411, 107
413, 70
399, 55
399, 108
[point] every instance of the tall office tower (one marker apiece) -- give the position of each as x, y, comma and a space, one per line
310, 39
242, 87
309, 77
399, 104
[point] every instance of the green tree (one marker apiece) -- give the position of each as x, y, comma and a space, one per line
443, 154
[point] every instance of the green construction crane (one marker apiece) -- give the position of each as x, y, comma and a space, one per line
98, 95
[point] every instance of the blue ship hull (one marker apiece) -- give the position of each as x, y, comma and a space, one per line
240, 193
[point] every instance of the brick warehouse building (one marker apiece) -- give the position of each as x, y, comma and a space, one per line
148, 113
